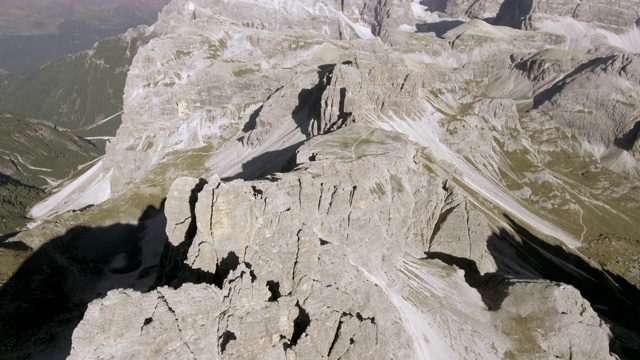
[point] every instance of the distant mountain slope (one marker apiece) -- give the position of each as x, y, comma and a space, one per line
29, 17
34, 155
35, 31
79, 90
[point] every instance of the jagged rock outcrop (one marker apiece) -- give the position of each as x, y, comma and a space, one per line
328, 261
427, 185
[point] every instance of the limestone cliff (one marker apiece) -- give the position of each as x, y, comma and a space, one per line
343, 258
384, 179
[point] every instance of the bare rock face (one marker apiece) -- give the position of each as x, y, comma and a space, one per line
327, 262
384, 179
188, 328
595, 113
617, 16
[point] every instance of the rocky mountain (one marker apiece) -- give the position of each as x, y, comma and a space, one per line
353, 179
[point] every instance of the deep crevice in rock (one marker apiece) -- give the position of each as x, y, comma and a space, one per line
274, 289
226, 265
225, 339
300, 325
441, 220
336, 336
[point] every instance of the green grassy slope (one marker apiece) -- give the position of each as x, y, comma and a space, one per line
34, 154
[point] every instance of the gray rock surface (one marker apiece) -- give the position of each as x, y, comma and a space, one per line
376, 179
618, 16
327, 262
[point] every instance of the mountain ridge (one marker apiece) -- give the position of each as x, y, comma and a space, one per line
373, 168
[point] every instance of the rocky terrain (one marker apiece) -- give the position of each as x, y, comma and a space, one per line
340, 179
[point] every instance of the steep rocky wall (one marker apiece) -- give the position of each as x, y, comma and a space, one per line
447, 178
329, 261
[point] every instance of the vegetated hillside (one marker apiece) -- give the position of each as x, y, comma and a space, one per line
15, 198
79, 90
30, 17
35, 31
34, 155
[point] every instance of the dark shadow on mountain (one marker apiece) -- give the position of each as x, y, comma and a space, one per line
227, 264
8, 180
514, 13
309, 109
343, 116
615, 300
521, 256
435, 5
626, 141
251, 124
45, 299
492, 287
172, 269
12, 245
306, 114
558, 86
438, 28
270, 162
253, 120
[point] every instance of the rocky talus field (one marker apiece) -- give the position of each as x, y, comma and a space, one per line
377, 179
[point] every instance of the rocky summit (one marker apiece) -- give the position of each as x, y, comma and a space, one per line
310, 179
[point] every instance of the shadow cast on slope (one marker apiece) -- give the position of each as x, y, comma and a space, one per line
438, 28
521, 256
252, 123
613, 298
492, 287
548, 94
307, 116
435, 5
308, 112
514, 13
626, 141
174, 269
45, 299
282, 160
